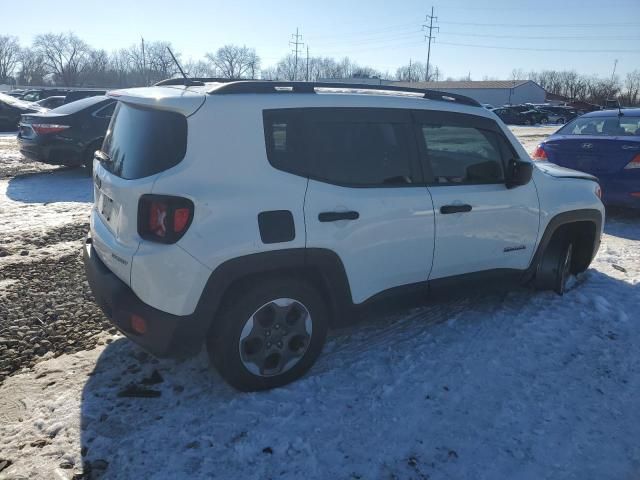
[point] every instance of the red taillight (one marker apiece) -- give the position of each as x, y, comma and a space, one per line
599, 192
181, 218
44, 128
635, 163
163, 218
539, 154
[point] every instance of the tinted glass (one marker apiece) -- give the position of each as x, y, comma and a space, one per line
106, 111
359, 153
74, 107
142, 142
284, 140
463, 155
606, 126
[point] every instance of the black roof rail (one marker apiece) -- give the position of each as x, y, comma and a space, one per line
195, 81
269, 86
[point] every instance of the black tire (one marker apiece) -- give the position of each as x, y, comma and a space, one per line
555, 267
561, 121
527, 122
224, 344
544, 120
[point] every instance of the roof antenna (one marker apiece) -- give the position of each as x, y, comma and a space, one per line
187, 82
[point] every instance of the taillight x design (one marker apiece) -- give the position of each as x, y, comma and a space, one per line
164, 218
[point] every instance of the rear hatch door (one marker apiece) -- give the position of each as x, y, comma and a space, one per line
146, 136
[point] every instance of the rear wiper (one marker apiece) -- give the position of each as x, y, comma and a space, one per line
102, 157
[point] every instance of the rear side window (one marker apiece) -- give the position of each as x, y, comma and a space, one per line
360, 153
606, 126
463, 155
141, 142
352, 147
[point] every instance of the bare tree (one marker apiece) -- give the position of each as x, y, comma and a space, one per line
632, 88
198, 69
9, 56
32, 68
66, 56
233, 61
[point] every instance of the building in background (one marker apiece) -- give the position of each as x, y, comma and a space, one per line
494, 92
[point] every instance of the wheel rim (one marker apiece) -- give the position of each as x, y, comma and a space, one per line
275, 337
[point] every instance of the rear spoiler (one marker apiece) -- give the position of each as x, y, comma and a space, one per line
172, 99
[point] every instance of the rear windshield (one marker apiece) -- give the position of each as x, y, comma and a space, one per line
141, 142
74, 107
606, 126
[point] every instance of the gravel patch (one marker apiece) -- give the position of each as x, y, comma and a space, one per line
46, 307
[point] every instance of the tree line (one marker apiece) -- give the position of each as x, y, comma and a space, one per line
64, 59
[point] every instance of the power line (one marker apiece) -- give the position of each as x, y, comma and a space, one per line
546, 37
539, 25
430, 19
497, 47
297, 43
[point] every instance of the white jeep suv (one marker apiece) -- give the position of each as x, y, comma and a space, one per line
249, 216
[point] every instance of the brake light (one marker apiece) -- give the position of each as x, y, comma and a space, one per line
539, 154
164, 218
45, 128
635, 163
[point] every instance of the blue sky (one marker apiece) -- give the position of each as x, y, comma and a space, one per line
380, 33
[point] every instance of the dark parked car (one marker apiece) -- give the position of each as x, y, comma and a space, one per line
67, 135
605, 144
15, 93
51, 102
39, 94
512, 117
10, 110
559, 114
532, 114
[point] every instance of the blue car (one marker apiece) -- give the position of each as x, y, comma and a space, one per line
605, 143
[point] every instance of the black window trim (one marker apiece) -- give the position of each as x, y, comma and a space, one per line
393, 115
420, 166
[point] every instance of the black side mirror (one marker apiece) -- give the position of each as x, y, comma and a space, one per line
518, 173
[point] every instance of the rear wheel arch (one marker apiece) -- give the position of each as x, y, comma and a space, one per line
322, 268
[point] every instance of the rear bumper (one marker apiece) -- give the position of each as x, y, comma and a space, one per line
617, 189
166, 335
49, 151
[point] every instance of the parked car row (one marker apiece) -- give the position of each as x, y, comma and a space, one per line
528, 114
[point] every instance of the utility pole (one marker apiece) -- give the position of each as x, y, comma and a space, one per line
410, 76
144, 64
297, 44
307, 63
430, 19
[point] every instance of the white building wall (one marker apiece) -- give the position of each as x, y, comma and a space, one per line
526, 93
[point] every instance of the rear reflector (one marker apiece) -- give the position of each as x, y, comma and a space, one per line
45, 128
138, 324
539, 154
635, 163
636, 194
164, 218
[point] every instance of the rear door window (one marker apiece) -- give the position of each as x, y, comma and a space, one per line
141, 142
349, 147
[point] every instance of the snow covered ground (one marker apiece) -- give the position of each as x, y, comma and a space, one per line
517, 385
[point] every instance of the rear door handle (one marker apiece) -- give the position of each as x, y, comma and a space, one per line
335, 216
449, 209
